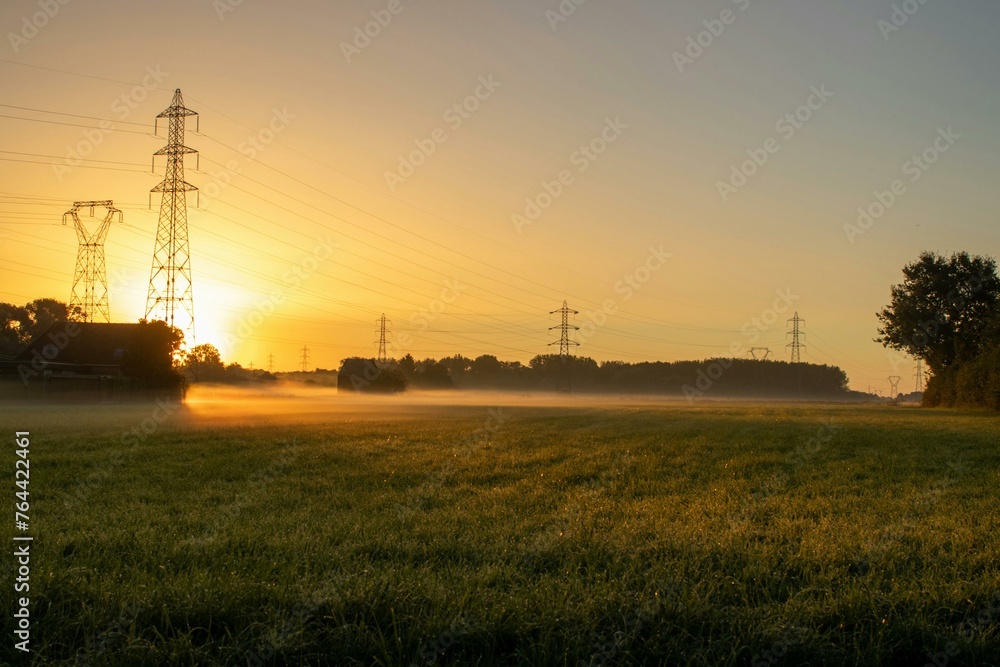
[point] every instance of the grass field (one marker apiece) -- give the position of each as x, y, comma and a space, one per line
576, 535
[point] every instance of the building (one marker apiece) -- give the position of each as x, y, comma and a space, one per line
92, 361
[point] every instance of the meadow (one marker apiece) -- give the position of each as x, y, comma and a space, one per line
500, 532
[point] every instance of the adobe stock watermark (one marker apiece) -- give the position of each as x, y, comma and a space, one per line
122, 107
581, 159
914, 168
365, 34
292, 279
223, 7
431, 649
461, 451
899, 17
455, 116
562, 13
627, 287
395, 349
50, 351
422, 319
752, 329
225, 516
291, 624
787, 126
132, 438
250, 147
32, 25
714, 28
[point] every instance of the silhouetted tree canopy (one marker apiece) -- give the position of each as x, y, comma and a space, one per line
151, 355
19, 325
942, 311
203, 363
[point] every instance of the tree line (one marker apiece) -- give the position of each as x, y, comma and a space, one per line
718, 377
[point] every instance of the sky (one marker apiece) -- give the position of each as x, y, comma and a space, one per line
686, 175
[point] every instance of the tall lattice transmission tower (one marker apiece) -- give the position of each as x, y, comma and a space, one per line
796, 333
919, 376
170, 292
564, 341
894, 385
90, 281
305, 358
383, 336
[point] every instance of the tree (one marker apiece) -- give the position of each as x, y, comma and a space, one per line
151, 354
942, 311
14, 321
19, 325
408, 365
203, 363
42, 313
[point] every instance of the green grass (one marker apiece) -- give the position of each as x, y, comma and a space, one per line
713, 535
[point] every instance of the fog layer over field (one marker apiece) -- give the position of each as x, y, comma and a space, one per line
298, 403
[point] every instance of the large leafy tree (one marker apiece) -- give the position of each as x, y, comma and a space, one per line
203, 363
44, 312
943, 310
151, 354
19, 325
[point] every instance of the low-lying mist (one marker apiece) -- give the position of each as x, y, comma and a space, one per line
291, 402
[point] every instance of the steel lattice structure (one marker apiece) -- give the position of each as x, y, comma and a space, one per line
919, 376
170, 296
564, 341
90, 280
383, 356
796, 333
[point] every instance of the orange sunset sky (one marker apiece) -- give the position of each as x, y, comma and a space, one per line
344, 175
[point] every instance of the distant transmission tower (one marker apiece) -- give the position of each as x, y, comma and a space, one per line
564, 341
796, 333
305, 359
765, 352
270, 363
894, 385
383, 356
170, 278
919, 376
90, 281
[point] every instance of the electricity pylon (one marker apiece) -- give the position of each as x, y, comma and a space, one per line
90, 281
383, 356
564, 343
764, 351
894, 385
796, 333
170, 291
305, 359
919, 376
270, 363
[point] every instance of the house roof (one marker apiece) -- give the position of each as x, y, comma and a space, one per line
82, 343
